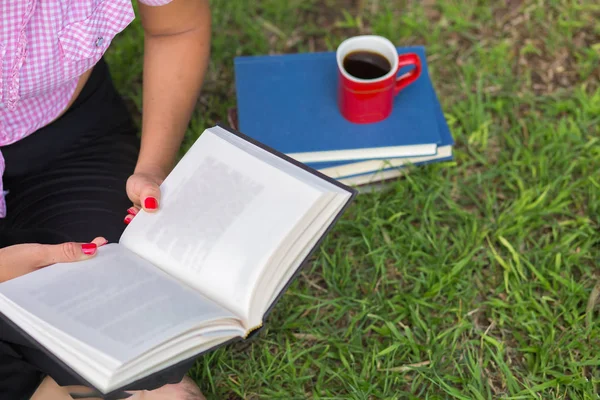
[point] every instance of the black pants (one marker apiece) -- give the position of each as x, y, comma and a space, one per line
66, 182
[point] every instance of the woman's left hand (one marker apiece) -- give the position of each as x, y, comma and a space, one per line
143, 190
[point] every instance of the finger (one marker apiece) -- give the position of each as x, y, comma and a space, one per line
150, 196
143, 192
65, 252
133, 210
43, 255
100, 241
131, 213
133, 188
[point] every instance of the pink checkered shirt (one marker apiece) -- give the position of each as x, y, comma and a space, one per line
45, 45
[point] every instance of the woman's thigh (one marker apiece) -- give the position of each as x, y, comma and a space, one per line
77, 197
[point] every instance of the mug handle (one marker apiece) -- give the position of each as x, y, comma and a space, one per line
404, 60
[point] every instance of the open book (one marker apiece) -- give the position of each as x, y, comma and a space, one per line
236, 222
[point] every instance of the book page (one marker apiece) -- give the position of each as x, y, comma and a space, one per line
223, 213
116, 302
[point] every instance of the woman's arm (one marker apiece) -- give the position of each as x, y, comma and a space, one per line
177, 49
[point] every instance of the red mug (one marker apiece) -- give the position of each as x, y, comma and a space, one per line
367, 95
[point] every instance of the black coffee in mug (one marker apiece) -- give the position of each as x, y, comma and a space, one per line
364, 64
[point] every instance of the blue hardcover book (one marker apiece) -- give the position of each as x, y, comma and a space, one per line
289, 102
343, 170
383, 170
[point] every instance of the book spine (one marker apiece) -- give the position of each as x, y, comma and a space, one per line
252, 330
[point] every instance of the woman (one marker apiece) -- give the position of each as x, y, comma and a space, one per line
71, 164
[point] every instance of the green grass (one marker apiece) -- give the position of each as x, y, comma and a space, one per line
469, 280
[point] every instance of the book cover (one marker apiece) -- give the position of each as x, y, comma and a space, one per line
289, 102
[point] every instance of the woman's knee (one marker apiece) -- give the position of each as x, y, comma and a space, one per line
50, 390
189, 390
184, 390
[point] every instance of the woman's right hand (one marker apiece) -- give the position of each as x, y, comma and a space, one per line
22, 259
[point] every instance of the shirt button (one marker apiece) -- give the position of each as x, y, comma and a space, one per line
99, 41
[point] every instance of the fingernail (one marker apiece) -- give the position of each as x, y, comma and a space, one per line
132, 211
89, 248
150, 203
128, 219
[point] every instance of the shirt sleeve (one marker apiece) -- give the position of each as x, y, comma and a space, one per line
155, 2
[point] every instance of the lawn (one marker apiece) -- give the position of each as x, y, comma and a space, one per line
475, 279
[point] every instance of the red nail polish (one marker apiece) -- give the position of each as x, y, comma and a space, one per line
89, 248
132, 211
150, 203
128, 219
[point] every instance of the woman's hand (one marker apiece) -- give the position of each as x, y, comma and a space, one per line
143, 189
22, 259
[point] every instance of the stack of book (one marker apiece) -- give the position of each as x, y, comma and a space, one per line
289, 102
